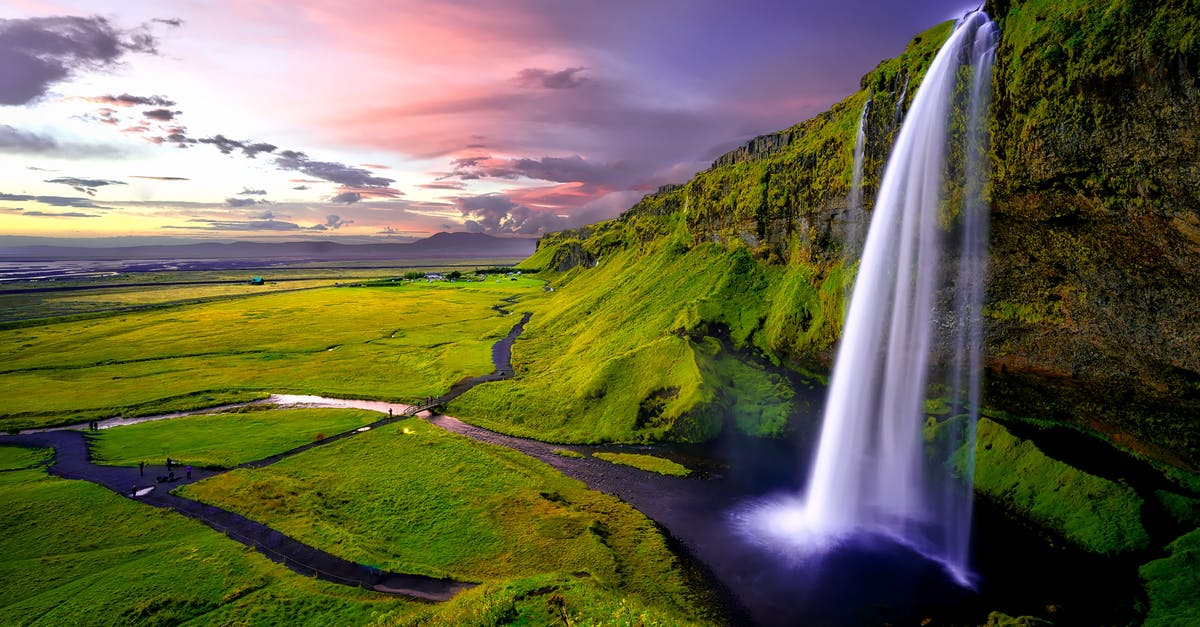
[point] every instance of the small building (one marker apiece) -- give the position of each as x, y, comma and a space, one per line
257, 281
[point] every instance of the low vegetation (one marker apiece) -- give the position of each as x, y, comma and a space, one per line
1171, 584
399, 343
17, 458
73, 553
223, 440
649, 463
1093, 513
413, 498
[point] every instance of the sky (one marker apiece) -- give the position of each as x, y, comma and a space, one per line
302, 119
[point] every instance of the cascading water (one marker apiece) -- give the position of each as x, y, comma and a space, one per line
854, 220
913, 332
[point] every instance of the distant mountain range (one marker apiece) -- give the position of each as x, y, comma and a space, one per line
438, 246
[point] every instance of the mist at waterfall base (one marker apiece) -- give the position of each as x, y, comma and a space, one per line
885, 477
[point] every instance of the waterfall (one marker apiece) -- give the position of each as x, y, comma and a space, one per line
913, 334
855, 218
899, 104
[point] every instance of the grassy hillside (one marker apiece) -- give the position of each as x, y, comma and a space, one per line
1093, 273
669, 322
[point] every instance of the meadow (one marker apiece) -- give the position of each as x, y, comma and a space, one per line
73, 553
402, 342
223, 440
410, 497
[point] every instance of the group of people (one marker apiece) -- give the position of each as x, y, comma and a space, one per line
170, 476
93, 425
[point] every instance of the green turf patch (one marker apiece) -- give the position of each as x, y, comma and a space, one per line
551, 599
223, 440
648, 463
18, 457
1172, 584
1094, 513
73, 553
413, 498
564, 452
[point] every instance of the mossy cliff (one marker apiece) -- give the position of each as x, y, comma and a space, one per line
1095, 240
1096, 219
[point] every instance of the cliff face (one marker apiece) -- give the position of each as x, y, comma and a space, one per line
1095, 241
1096, 218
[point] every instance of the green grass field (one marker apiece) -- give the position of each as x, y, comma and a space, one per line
223, 440
400, 343
73, 553
648, 463
413, 498
16, 458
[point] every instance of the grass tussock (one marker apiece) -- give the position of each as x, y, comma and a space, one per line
649, 463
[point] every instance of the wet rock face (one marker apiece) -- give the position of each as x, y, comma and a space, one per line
1096, 214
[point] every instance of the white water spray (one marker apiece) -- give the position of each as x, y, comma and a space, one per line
914, 326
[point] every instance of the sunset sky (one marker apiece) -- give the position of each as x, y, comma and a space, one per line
258, 119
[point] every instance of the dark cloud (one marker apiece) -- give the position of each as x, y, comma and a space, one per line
160, 178
336, 222
498, 214
300, 187
346, 197
84, 186
60, 214
333, 172
252, 192
562, 79
237, 225
126, 100
265, 215
557, 169
162, 115
226, 145
41, 51
176, 22
15, 140
241, 202
54, 201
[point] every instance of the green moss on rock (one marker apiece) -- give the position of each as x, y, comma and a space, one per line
1093, 513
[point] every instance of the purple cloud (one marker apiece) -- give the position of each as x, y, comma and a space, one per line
562, 79
84, 186
41, 51
162, 115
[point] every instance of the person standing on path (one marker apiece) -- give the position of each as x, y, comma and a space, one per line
142, 469
188, 471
